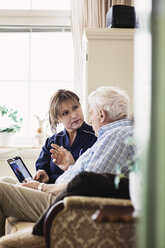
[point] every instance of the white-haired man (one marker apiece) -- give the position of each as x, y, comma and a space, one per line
108, 108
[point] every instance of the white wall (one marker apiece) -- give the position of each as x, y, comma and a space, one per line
108, 60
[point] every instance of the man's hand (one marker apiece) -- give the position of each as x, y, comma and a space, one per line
54, 189
33, 184
61, 157
41, 176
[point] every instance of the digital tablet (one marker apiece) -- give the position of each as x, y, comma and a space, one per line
19, 169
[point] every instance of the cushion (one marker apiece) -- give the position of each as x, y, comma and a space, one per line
22, 239
14, 225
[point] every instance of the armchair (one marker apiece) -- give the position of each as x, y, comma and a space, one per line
69, 224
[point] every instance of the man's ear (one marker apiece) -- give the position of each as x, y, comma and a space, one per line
102, 115
59, 121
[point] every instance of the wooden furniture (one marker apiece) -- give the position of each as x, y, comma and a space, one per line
114, 214
108, 55
70, 223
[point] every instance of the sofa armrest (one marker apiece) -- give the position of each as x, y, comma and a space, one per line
53, 211
74, 227
14, 225
83, 201
114, 213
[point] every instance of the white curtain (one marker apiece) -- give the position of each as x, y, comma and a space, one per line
85, 13
123, 2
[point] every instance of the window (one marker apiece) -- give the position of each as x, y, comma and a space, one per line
36, 56
35, 4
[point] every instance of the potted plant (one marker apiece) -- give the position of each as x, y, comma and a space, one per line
135, 185
10, 123
135, 180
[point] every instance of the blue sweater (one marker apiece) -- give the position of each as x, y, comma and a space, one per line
85, 138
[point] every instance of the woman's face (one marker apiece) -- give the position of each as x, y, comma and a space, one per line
71, 115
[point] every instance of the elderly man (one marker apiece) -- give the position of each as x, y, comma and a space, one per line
108, 107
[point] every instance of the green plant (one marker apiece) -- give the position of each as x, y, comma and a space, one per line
9, 120
133, 165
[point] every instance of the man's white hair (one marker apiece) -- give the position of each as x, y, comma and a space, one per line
113, 100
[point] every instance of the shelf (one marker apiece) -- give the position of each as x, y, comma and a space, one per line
109, 33
25, 152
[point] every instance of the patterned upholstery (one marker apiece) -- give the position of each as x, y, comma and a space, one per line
73, 227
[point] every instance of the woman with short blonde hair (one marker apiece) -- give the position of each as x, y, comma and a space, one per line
76, 137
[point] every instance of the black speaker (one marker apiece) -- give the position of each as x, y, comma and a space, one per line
121, 16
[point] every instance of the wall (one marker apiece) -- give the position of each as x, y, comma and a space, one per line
108, 60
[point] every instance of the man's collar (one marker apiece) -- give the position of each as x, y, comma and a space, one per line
112, 125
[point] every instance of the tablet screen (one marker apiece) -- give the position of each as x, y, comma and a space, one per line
19, 169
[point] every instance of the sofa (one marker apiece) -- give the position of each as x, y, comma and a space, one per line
14, 225
75, 223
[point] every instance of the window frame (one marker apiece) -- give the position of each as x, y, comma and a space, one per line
36, 20
35, 17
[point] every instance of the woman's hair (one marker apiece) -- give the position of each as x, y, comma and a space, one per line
113, 100
55, 105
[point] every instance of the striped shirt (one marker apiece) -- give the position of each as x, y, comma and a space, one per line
110, 152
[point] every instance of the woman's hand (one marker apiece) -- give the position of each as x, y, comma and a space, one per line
41, 176
61, 157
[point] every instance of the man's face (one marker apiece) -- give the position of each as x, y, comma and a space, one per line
94, 119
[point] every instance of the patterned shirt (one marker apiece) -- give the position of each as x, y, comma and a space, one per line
110, 152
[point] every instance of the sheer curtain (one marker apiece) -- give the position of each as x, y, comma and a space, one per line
123, 2
85, 13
